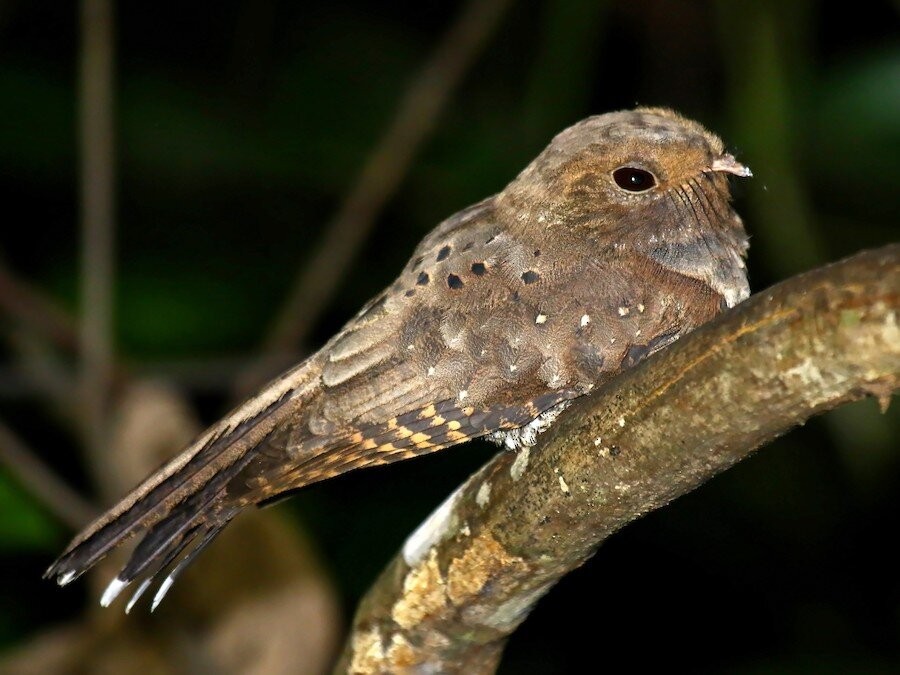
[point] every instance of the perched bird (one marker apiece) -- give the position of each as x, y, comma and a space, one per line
615, 241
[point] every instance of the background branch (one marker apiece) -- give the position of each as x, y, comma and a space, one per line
65, 504
36, 310
474, 570
382, 172
97, 220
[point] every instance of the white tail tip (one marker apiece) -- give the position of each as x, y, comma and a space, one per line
138, 593
161, 592
112, 591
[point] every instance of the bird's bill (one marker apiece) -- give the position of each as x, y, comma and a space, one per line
729, 164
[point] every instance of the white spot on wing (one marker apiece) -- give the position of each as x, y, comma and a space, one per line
623, 311
585, 320
540, 318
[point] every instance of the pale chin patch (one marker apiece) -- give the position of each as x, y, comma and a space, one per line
736, 289
733, 295
719, 264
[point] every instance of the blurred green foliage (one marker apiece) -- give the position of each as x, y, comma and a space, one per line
240, 126
23, 524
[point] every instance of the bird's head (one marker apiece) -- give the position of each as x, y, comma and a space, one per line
627, 170
648, 180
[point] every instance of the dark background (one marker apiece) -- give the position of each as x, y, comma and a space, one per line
240, 127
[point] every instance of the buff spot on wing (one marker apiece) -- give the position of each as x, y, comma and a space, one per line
453, 425
420, 438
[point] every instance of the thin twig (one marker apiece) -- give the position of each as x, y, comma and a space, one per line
383, 171
474, 570
42, 482
98, 207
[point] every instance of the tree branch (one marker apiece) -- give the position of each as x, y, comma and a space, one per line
473, 571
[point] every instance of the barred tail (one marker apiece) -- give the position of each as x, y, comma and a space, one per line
182, 507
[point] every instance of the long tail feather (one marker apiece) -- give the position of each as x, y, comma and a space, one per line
161, 565
167, 510
182, 564
186, 496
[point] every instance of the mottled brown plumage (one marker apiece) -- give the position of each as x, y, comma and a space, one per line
615, 241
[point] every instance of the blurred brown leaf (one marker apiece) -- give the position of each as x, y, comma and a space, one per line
257, 602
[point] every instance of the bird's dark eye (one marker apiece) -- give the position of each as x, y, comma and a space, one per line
633, 179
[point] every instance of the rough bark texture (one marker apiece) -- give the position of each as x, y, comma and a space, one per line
474, 570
